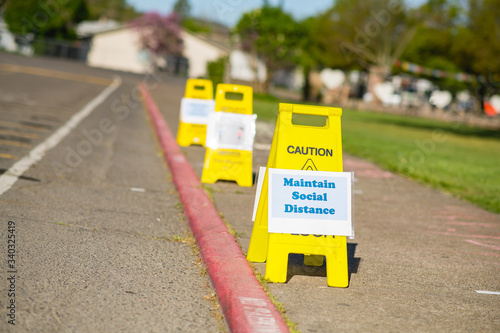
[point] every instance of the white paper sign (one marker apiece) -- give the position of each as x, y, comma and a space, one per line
196, 111
310, 202
230, 131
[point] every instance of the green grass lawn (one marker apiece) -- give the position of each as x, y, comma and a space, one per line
458, 159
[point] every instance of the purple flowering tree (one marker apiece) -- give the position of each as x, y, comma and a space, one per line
160, 35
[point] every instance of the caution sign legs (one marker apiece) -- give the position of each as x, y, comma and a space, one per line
189, 134
228, 164
333, 248
257, 250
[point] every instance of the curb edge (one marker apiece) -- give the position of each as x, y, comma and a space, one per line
245, 305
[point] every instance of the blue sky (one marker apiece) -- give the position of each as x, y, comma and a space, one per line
229, 11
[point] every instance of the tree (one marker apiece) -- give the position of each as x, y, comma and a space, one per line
118, 10
476, 47
270, 34
309, 55
458, 37
434, 39
183, 9
45, 19
369, 34
159, 34
216, 71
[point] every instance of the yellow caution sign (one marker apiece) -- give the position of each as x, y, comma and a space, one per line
199, 89
230, 136
196, 106
299, 146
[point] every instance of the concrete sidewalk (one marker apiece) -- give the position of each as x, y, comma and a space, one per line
416, 263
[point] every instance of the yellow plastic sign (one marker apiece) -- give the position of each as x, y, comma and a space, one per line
221, 161
198, 97
298, 146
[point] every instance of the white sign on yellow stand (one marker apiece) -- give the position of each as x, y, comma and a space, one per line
196, 106
230, 136
196, 111
311, 146
310, 202
231, 131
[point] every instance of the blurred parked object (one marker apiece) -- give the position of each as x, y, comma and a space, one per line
492, 106
440, 99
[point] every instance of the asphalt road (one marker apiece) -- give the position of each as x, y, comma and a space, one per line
96, 220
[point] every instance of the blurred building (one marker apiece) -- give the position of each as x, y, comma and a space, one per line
246, 69
90, 28
117, 47
200, 50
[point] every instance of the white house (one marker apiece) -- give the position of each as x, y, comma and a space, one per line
90, 28
199, 50
244, 67
119, 49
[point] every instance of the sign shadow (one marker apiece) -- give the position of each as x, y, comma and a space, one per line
296, 264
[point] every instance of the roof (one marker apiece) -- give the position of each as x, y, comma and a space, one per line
90, 28
223, 45
213, 39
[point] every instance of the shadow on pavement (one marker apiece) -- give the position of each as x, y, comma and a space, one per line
2, 171
296, 264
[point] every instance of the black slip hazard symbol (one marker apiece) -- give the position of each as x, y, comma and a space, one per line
309, 165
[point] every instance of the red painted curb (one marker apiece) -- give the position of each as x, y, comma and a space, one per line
244, 303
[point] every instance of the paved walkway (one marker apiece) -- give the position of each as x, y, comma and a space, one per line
416, 264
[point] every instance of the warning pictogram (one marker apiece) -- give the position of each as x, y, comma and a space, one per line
309, 165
